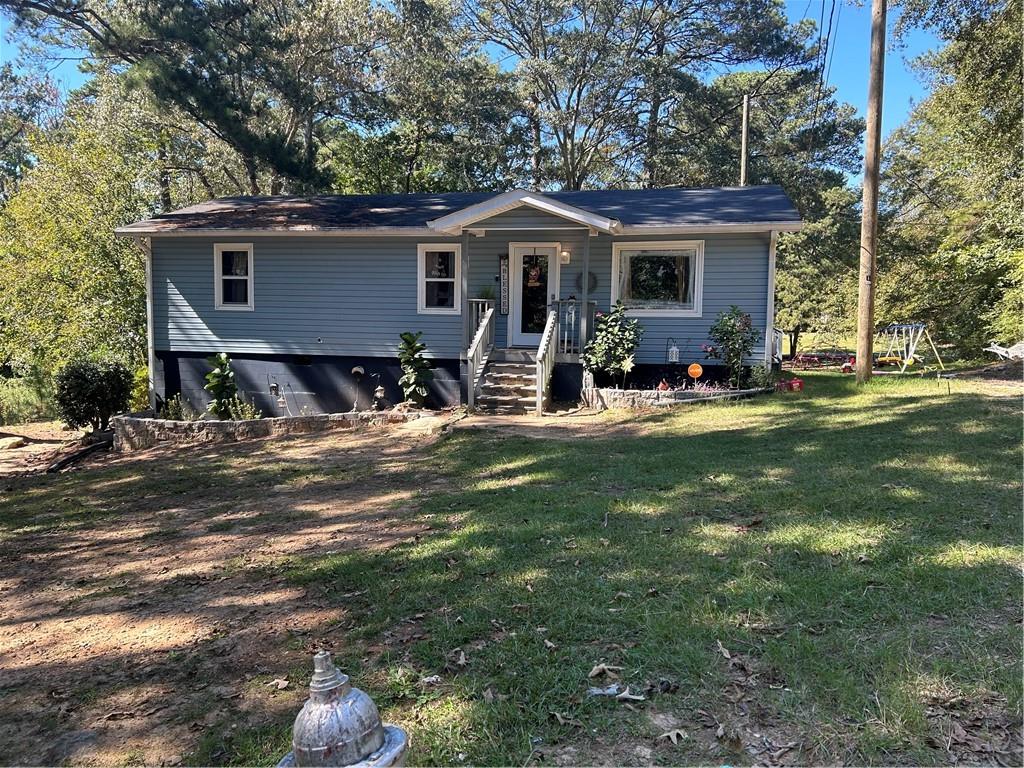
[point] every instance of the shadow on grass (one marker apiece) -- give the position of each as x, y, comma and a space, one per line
860, 550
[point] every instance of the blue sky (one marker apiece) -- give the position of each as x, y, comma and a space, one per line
851, 33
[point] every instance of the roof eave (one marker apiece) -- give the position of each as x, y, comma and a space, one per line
696, 229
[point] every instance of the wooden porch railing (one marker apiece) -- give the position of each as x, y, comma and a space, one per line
546, 358
573, 333
480, 347
477, 308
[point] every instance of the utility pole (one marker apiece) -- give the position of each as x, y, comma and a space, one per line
743, 140
869, 212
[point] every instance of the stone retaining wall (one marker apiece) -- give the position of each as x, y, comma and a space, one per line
136, 432
601, 399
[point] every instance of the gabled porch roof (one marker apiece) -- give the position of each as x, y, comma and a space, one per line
455, 222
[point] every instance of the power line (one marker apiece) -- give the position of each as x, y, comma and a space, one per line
821, 71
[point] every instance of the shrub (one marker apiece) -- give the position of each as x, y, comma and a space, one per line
243, 410
416, 373
762, 377
178, 409
614, 344
220, 383
734, 336
89, 393
140, 389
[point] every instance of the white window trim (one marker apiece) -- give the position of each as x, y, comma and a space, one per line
663, 245
218, 277
421, 279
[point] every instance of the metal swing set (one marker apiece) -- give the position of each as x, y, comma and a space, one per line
901, 341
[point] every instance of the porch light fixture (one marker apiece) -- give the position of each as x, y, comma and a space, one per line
564, 257
671, 351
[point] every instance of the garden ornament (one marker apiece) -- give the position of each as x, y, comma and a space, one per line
339, 725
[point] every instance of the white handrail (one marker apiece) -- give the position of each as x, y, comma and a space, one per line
546, 358
480, 346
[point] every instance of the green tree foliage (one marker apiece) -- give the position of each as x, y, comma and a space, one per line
88, 393
445, 119
220, 383
612, 349
27, 102
416, 369
259, 76
954, 181
599, 80
70, 288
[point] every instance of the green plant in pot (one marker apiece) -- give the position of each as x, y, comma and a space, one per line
416, 369
612, 350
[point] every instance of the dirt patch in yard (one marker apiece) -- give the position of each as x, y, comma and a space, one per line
44, 442
145, 599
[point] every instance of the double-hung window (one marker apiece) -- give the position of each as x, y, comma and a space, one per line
233, 275
659, 279
439, 275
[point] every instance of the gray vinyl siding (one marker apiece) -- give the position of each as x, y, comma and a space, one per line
527, 218
355, 295
358, 295
735, 272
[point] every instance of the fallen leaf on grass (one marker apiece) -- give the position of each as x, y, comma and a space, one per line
549, 645
674, 735
431, 680
607, 670
279, 683
561, 719
620, 596
723, 650
529, 587
490, 696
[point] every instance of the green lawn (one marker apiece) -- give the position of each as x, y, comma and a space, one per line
855, 553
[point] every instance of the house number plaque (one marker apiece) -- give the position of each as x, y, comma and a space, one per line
503, 283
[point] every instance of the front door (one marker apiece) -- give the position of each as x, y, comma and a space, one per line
534, 289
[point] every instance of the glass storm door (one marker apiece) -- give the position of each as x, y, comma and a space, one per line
534, 288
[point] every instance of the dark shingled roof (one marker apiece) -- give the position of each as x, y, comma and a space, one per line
632, 207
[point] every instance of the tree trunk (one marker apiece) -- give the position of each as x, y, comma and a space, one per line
251, 175
656, 98
164, 177
535, 149
794, 337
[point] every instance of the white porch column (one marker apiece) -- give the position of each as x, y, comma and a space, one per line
585, 290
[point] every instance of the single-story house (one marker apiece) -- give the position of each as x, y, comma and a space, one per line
308, 295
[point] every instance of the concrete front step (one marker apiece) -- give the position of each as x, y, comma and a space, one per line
500, 390
499, 355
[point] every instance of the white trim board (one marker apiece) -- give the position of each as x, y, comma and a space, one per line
515, 278
769, 322
455, 222
632, 230
663, 245
421, 279
219, 277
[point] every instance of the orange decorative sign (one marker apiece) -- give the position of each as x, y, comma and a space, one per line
695, 370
